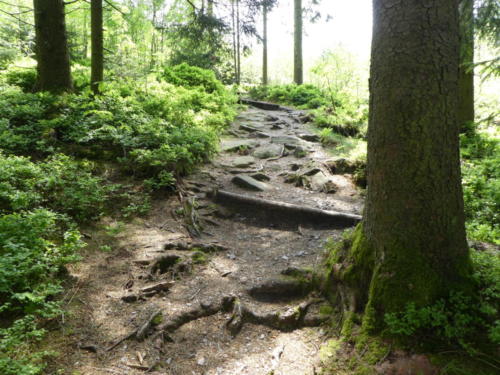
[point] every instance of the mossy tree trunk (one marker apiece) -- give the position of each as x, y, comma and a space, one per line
97, 39
411, 244
52, 54
298, 73
466, 69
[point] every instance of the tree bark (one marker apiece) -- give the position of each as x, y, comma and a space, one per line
411, 244
264, 46
97, 61
466, 69
298, 74
53, 64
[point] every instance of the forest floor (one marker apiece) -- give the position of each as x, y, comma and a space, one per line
199, 264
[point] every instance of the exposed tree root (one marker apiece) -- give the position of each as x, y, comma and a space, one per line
280, 290
141, 332
287, 211
192, 246
289, 320
262, 105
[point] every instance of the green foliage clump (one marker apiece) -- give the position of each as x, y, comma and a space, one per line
481, 185
59, 183
459, 319
32, 250
301, 96
21, 77
23, 124
162, 129
191, 77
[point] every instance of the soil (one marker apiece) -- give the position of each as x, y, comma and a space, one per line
251, 250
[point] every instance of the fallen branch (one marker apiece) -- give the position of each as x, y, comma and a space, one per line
287, 211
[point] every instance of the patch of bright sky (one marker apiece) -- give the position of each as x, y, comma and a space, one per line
350, 27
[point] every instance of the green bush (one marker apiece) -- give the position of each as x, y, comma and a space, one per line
165, 127
32, 252
60, 184
301, 96
192, 77
481, 185
23, 127
24, 78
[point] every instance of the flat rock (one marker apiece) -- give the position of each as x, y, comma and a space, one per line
320, 182
261, 177
309, 137
287, 140
262, 135
268, 151
341, 165
243, 161
250, 183
238, 144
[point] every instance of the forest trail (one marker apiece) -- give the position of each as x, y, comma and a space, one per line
159, 265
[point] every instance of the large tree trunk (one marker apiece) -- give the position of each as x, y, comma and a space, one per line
97, 63
298, 74
466, 70
264, 46
411, 245
53, 65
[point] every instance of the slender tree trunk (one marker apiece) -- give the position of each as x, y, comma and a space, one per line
238, 42
97, 63
210, 8
298, 73
85, 35
264, 46
466, 69
53, 65
411, 245
153, 40
235, 53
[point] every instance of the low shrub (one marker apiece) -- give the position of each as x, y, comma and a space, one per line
192, 77
481, 185
461, 320
32, 251
24, 78
61, 184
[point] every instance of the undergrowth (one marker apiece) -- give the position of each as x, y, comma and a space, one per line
330, 109
61, 158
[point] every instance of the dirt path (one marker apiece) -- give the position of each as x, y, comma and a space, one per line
239, 249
